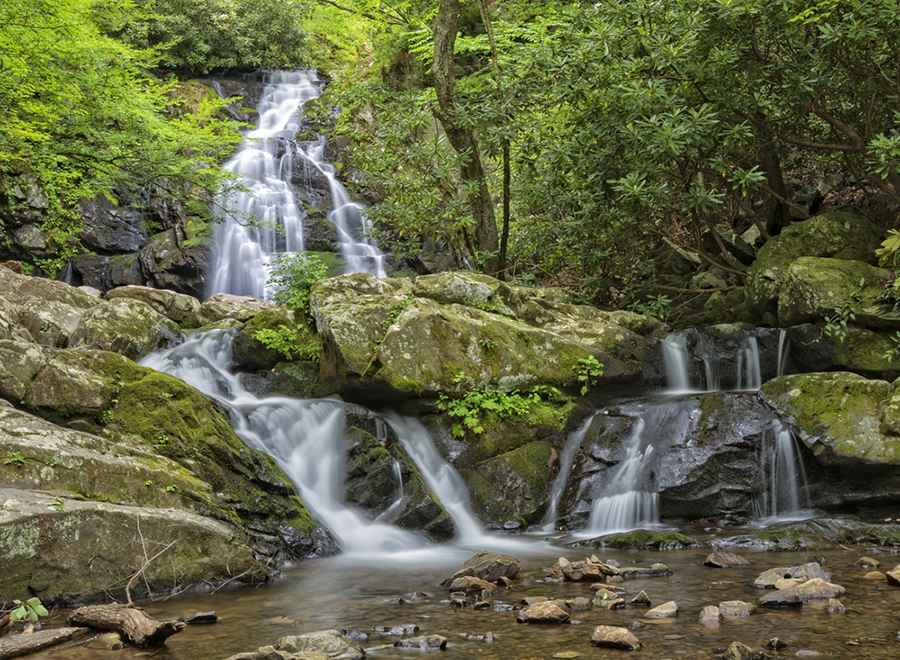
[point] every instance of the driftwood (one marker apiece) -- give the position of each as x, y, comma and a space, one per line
4, 622
15, 646
135, 627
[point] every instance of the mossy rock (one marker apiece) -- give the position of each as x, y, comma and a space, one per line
843, 417
871, 353
129, 327
648, 539
836, 234
816, 288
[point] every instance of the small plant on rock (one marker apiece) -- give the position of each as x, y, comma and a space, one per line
30, 610
588, 371
293, 278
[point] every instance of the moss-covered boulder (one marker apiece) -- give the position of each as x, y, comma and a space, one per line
227, 306
178, 307
160, 415
425, 335
843, 417
129, 327
871, 353
816, 288
834, 234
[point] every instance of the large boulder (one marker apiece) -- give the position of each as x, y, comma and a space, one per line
224, 306
844, 418
833, 234
109, 228
129, 327
427, 335
178, 307
815, 288
167, 261
872, 353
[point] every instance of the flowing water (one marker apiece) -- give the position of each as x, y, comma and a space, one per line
567, 458
785, 493
749, 375
259, 217
675, 361
784, 346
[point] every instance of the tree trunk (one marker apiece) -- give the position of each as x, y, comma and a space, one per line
769, 160
132, 624
15, 646
504, 236
461, 137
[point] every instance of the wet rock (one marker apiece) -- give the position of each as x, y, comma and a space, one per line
817, 589
566, 655
608, 600
178, 307
480, 637
201, 618
488, 566
397, 631
767, 579
615, 637
807, 653
655, 570
423, 643
328, 643
226, 306
166, 262
667, 610
459, 600
482, 605
834, 606
875, 576
776, 644
106, 642
355, 635
735, 609
579, 604
128, 327
739, 651
722, 559
501, 606
868, 562
709, 615
640, 600
543, 613
893, 576
787, 583
781, 599
606, 586
471, 585
584, 571
411, 597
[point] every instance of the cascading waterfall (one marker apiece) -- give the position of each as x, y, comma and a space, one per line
675, 360
784, 347
785, 495
567, 458
259, 217
711, 372
628, 500
390, 514
749, 372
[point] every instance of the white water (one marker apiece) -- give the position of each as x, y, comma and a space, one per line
711, 372
784, 347
785, 495
567, 458
675, 360
749, 373
396, 508
260, 217
626, 503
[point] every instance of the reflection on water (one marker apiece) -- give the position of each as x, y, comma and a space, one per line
336, 593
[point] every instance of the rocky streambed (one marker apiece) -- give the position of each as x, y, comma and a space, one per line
378, 606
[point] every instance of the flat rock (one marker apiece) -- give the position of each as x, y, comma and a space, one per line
470, 584
767, 579
722, 559
709, 614
543, 613
15, 646
735, 609
875, 576
655, 570
423, 643
665, 611
834, 606
615, 637
325, 644
739, 651
488, 566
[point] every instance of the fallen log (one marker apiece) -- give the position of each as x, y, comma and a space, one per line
135, 627
15, 646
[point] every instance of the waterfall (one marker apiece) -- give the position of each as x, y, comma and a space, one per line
675, 360
307, 439
711, 373
784, 347
259, 216
573, 442
627, 500
360, 253
749, 373
390, 514
785, 494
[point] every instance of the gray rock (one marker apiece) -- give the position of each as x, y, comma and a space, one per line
615, 637
667, 610
808, 571
543, 613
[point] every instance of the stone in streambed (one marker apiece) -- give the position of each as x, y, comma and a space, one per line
480, 637
875, 576
397, 631
710, 615
767, 579
488, 566
423, 643
665, 611
795, 596
640, 600
776, 644
326, 644
201, 618
868, 562
615, 637
735, 609
893, 576
543, 613
739, 651
721, 559
834, 606
654, 570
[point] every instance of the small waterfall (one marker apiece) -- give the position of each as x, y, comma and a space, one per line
360, 253
711, 372
785, 495
675, 360
573, 442
749, 373
391, 514
307, 438
784, 347
628, 500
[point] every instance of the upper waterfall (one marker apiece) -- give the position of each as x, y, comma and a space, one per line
259, 216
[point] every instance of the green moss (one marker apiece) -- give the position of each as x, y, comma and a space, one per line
649, 539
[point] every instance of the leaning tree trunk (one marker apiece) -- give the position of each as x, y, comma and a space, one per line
462, 138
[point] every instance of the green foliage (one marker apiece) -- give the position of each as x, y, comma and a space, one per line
659, 307
588, 371
288, 342
889, 298
892, 354
836, 323
30, 610
889, 252
15, 458
293, 277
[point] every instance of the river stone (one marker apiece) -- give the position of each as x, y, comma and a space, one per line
543, 613
178, 307
781, 598
834, 606
420, 336
722, 559
615, 637
767, 579
488, 566
655, 570
739, 651
735, 609
640, 600
709, 614
665, 611
320, 645
423, 643
875, 576
227, 306
868, 562
470, 584
893, 576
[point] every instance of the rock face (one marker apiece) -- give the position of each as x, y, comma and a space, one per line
844, 418
422, 336
834, 234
